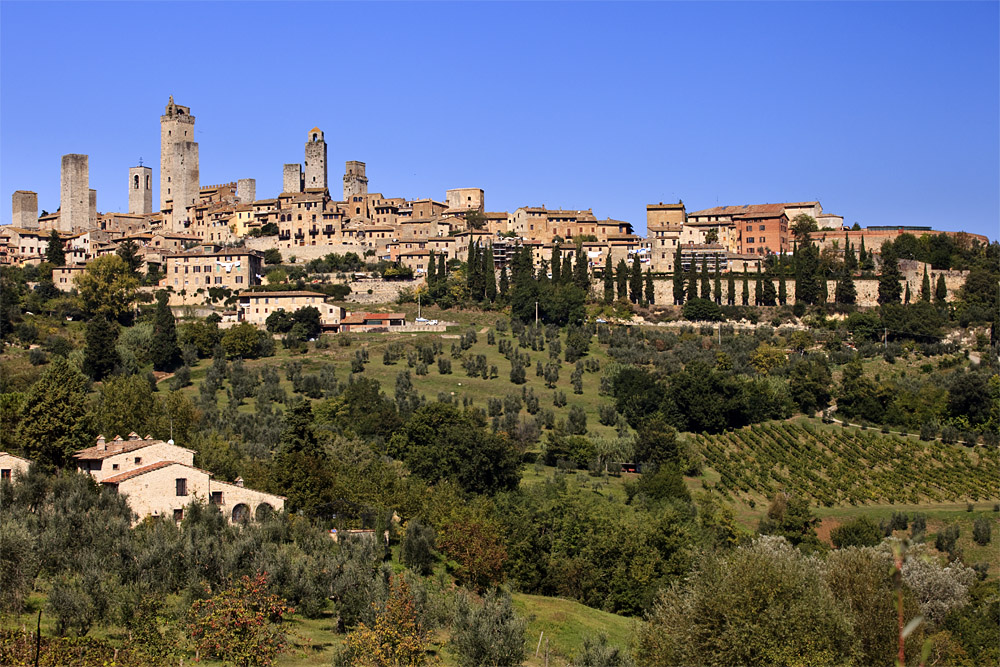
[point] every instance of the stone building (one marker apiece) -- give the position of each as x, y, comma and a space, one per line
24, 209
315, 172
291, 178
11, 465
211, 266
74, 198
355, 181
254, 307
179, 172
140, 190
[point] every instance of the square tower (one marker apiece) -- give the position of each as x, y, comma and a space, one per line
24, 209
74, 193
178, 161
315, 176
246, 190
140, 190
291, 180
355, 181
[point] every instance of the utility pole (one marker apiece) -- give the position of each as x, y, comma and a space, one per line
885, 339
536, 314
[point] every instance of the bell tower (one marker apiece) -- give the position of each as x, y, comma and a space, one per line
140, 190
315, 167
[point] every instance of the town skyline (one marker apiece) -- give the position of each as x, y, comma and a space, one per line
411, 152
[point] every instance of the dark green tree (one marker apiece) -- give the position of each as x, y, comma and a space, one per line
706, 286
758, 290
650, 292
489, 274
621, 277
54, 421
770, 296
431, 270
164, 351
580, 276
100, 356
442, 270
807, 274
635, 280
940, 290
925, 287
55, 254
609, 284
731, 288
746, 288
845, 292
555, 264
129, 252
782, 287
678, 278
889, 289
692, 280
504, 282
717, 286
850, 259
301, 469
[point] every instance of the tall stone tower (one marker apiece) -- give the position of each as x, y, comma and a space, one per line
291, 179
355, 181
178, 161
140, 190
315, 160
246, 190
92, 209
74, 194
24, 207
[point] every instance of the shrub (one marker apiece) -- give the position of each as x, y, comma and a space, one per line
859, 532
947, 538
491, 635
982, 531
417, 548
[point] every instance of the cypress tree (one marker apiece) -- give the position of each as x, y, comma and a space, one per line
55, 254
782, 288
758, 291
609, 283
845, 292
635, 280
940, 290
556, 264
580, 276
489, 274
431, 271
925, 287
622, 279
731, 288
165, 353
678, 278
889, 289
717, 287
471, 267
100, 356
504, 283
650, 292
850, 261
746, 288
906, 294
442, 272
706, 286
770, 297
692, 281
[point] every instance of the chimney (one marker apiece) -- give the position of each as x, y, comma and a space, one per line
101, 444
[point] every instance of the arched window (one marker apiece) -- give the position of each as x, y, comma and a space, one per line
315, 136
136, 182
148, 178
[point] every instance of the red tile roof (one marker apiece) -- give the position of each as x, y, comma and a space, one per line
121, 477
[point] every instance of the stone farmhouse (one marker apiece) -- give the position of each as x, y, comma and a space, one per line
159, 479
254, 307
11, 465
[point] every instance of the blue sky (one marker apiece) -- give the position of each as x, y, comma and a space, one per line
885, 112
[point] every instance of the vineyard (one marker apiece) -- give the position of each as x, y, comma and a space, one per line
834, 466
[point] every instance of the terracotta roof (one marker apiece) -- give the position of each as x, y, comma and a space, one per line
281, 293
117, 479
114, 447
744, 209
15, 456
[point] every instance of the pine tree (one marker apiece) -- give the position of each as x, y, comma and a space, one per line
489, 274
706, 286
555, 265
635, 281
609, 283
54, 423
165, 353
650, 292
678, 278
746, 288
504, 282
621, 276
100, 356
431, 271
925, 287
717, 287
940, 290
55, 254
731, 288
889, 289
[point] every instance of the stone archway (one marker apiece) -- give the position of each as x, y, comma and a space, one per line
241, 513
263, 511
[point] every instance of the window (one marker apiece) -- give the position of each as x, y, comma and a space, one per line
178, 515
5, 473
138, 460
216, 498
750, 240
762, 228
114, 466
181, 486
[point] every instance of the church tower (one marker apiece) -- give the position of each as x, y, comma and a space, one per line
315, 168
178, 162
140, 190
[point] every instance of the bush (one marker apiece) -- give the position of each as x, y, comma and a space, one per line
982, 531
946, 540
488, 635
860, 532
702, 310
417, 548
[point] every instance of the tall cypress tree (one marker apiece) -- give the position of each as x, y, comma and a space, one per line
940, 290
678, 278
100, 356
504, 282
770, 297
906, 293
556, 264
845, 292
925, 287
489, 274
746, 288
889, 289
758, 290
621, 277
731, 288
717, 287
55, 254
782, 287
165, 353
442, 271
580, 276
431, 270
692, 280
706, 286
471, 268
850, 260
609, 282
635, 280
650, 292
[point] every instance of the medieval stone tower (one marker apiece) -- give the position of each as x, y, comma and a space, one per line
291, 178
315, 176
355, 181
140, 190
24, 206
74, 193
178, 161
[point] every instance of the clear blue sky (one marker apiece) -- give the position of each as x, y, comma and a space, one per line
885, 112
